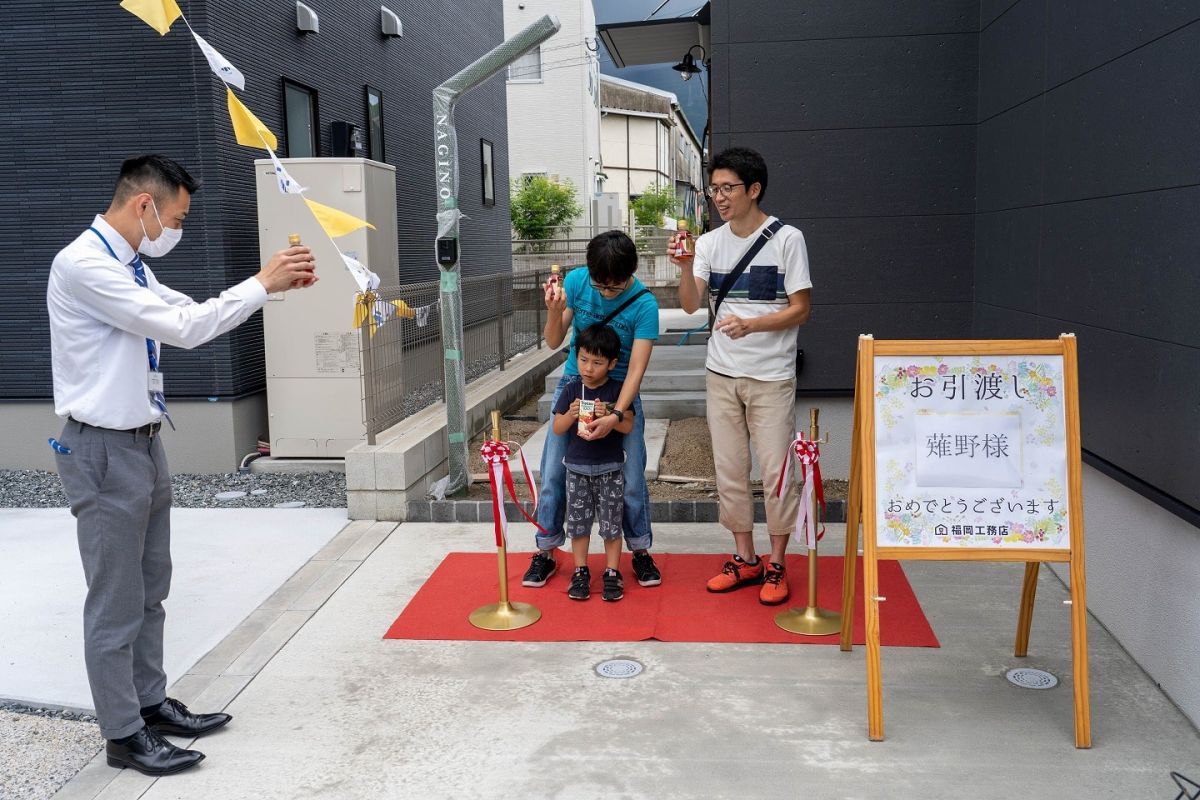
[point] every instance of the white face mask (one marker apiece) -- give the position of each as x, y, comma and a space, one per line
166, 241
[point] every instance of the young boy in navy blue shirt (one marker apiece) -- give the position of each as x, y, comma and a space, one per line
595, 478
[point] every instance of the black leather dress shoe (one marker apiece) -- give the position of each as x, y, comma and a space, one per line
173, 717
150, 754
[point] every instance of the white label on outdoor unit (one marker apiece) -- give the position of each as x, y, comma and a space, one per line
337, 353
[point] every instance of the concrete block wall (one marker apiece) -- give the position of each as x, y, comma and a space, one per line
408, 458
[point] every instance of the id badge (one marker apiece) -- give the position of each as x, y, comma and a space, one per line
155, 380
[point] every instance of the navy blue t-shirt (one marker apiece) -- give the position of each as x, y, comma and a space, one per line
610, 449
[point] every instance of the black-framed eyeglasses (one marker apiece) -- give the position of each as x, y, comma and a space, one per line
725, 189
604, 287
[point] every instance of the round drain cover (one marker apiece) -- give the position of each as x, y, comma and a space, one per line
1031, 678
225, 497
619, 668
258, 492
291, 504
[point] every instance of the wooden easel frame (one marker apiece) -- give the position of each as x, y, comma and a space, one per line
862, 496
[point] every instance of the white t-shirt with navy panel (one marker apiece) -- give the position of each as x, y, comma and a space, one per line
780, 268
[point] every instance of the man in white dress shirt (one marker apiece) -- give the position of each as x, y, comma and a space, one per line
108, 316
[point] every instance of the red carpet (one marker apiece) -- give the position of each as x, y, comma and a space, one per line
680, 610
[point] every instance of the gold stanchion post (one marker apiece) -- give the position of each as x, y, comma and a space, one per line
813, 620
503, 616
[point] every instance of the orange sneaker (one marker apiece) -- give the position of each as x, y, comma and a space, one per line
775, 588
736, 573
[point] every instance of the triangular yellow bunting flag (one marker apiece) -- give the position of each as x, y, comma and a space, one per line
247, 128
158, 14
336, 223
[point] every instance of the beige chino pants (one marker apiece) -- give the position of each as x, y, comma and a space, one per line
745, 413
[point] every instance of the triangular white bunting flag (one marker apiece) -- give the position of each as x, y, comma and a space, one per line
367, 281
287, 184
220, 65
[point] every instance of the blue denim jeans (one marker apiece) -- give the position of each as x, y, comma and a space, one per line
553, 493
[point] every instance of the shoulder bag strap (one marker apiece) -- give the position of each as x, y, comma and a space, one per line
609, 318
747, 257
622, 307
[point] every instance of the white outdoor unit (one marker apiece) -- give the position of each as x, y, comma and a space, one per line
314, 373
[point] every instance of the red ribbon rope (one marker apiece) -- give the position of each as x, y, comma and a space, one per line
499, 453
807, 452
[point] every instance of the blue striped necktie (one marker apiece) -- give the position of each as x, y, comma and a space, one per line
139, 276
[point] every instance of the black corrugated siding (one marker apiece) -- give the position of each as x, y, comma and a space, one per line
87, 85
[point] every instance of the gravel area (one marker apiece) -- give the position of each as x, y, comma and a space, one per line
41, 749
36, 489
688, 451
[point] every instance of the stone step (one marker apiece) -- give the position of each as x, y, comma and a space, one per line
684, 379
674, 337
663, 405
670, 368
656, 439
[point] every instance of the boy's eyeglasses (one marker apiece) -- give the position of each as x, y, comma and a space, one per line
725, 189
604, 287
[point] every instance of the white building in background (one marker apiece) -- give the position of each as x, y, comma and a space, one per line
554, 102
646, 141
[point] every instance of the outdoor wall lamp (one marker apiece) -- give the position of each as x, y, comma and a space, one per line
687, 68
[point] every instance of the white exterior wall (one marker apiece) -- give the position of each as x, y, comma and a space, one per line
637, 155
554, 123
641, 149
1142, 562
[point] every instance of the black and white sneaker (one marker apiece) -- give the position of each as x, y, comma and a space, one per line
614, 585
581, 584
541, 568
644, 570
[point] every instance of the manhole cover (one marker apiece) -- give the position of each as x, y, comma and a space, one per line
291, 504
225, 497
258, 492
619, 668
1031, 678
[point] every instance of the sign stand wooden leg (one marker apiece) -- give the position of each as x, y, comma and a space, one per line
864, 380
850, 559
874, 674
849, 563
1025, 616
1079, 654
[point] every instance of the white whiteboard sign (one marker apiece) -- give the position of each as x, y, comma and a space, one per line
970, 451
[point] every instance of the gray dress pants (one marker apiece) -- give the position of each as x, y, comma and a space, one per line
119, 489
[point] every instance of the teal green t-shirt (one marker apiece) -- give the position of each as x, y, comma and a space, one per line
639, 321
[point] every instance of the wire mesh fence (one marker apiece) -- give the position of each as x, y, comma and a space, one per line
503, 316
654, 268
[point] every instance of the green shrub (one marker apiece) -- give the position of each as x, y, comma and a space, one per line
539, 205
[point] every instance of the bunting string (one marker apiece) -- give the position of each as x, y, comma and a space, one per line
249, 131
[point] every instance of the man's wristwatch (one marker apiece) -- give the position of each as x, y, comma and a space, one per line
619, 414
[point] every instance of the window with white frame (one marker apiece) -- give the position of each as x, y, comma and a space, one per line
527, 68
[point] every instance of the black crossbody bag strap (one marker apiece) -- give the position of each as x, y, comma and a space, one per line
747, 257
609, 318
622, 307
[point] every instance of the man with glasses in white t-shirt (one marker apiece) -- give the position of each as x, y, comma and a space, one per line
751, 365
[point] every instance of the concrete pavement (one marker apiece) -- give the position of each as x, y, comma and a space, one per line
339, 712
226, 563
